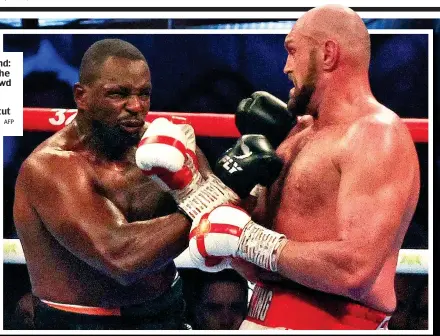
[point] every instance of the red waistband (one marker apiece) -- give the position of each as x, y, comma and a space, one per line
305, 309
101, 311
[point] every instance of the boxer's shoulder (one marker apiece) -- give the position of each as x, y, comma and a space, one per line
52, 163
377, 126
380, 134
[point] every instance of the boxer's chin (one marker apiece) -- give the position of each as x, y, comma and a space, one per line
299, 103
291, 105
297, 108
115, 136
131, 139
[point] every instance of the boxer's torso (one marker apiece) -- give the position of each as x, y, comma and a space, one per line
58, 275
303, 200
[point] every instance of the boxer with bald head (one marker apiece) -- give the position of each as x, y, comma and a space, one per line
339, 39
324, 238
99, 236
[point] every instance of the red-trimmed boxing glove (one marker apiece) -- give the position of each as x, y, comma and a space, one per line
228, 231
166, 153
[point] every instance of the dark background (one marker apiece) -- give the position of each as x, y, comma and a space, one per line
208, 73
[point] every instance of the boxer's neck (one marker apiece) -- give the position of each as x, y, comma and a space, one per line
341, 98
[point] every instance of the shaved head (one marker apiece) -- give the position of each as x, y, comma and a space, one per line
341, 24
328, 47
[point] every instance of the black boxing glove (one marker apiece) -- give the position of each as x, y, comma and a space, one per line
251, 161
265, 114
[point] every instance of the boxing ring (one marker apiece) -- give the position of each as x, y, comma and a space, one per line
410, 261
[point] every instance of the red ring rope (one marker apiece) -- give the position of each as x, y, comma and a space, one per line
205, 124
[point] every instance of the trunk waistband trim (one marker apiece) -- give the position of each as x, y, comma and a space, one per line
100, 311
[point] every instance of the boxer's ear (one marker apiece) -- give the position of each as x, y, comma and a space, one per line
80, 94
331, 55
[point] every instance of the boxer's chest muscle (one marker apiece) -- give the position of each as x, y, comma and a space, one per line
133, 193
312, 178
309, 180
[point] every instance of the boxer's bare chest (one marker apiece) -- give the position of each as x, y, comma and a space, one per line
133, 193
308, 184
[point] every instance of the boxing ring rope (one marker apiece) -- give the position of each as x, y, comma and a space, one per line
205, 124
411, 261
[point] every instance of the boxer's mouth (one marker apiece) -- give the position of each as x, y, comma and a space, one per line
132, 125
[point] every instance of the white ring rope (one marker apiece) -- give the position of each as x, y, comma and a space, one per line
411, 261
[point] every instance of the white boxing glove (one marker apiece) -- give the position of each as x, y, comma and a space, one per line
212, 264
228, 231
162, 154
166, 152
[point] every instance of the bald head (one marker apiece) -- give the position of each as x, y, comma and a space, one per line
341, 24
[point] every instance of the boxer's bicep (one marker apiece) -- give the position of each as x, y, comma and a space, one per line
78, 217
375, 186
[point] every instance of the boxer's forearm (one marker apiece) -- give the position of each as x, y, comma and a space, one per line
333, 267
144, 246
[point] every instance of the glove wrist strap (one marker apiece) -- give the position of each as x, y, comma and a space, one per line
195, 183
208, 195
261, 246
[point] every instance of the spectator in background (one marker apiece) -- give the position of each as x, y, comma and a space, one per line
24, 312
46, 89
420, 308
216, 301
412, 303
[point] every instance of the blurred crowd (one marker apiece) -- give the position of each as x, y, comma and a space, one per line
219, 301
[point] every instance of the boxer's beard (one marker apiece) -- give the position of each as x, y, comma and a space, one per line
299, 104
113, 140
